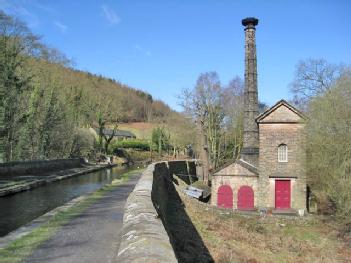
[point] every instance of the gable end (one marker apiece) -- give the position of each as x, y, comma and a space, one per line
281, 112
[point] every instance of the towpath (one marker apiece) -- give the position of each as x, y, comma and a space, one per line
93, 236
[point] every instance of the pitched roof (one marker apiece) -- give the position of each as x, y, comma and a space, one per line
280, 103
237, 167
118, 133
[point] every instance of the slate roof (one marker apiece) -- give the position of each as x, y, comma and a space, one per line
118, 133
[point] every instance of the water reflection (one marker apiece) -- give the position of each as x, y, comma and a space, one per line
21, 208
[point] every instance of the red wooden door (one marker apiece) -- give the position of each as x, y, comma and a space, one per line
245, 198
225, 196
282, 194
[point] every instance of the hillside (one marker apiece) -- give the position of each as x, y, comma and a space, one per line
130, 104
49, 105
142, 130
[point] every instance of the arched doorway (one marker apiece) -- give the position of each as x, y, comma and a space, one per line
225, 196
245, 198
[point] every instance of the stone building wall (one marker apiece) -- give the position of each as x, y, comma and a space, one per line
235, 182
271, 136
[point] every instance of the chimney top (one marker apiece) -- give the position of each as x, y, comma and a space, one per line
249, 21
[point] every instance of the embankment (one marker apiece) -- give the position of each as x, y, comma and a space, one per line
21, 176
156, 227
39, 166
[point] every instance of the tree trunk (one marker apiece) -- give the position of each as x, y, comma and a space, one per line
203, 150
159, 145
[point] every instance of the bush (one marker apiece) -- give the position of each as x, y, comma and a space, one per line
329, 147
83, 143
132, 144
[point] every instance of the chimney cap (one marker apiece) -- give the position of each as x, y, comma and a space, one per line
249, 21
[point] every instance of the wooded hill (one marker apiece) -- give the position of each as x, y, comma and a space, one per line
95, 91
46, 106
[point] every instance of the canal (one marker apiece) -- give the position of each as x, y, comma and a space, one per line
18, 209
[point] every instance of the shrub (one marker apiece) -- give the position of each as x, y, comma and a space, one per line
83, 143
329, 147
132, 144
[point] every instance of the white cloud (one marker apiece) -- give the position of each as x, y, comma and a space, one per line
61, 27
110, 15
137, 47
142, 50
47, 8
18, 9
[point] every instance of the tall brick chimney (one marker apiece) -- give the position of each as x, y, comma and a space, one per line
250, 149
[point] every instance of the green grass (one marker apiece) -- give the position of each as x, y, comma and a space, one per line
19, 249
303, 233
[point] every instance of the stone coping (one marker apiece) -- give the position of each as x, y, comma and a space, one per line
235, 175
143, 236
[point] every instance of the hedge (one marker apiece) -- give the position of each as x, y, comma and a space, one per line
132, 144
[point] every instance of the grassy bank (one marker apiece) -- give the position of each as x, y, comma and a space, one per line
236, 238
22, 247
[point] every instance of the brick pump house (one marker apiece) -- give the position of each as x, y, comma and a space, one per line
270, 173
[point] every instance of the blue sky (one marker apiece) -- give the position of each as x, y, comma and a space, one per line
161, 46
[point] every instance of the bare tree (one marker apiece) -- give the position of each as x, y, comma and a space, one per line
204, 104
108, 138
105, 116
233, 104
314, 77
181, 128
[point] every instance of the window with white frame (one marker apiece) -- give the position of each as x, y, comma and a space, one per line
282, 153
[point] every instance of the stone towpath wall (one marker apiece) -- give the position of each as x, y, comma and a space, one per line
21, 176
143, 237
38, 166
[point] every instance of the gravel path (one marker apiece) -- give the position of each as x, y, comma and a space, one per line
91, 237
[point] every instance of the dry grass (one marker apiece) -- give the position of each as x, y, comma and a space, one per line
142, 130
236, 238
138, 125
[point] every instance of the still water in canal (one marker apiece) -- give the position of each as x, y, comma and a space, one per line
18, 209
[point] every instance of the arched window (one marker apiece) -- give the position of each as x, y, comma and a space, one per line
282, 153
